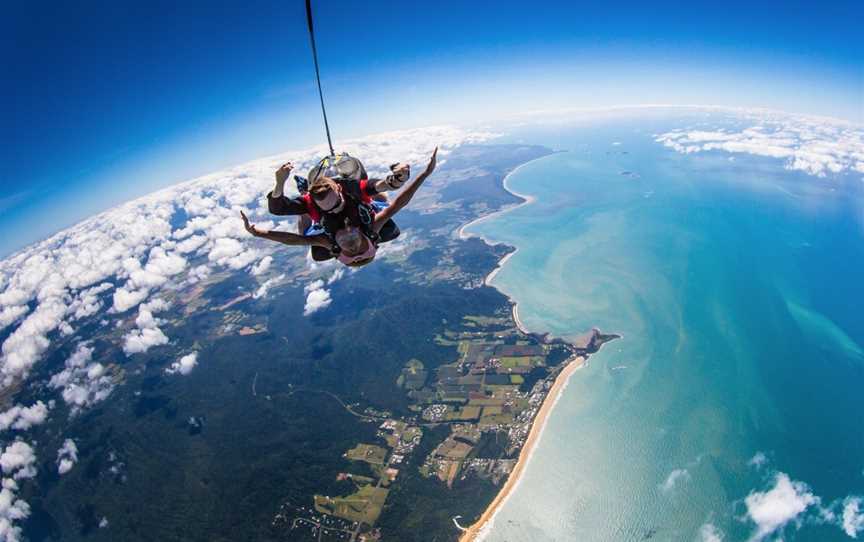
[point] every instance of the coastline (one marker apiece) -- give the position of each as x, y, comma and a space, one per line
462, 234
526, 200
516, 319
488, 280
480, 528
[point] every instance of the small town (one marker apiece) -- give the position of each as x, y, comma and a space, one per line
488, 398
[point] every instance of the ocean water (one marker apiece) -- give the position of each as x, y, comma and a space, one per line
739, 289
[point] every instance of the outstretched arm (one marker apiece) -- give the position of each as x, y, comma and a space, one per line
405, 196
284, 237
399, 174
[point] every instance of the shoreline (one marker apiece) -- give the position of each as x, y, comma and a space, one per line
526, 200
519, 324
482, 525
488, 280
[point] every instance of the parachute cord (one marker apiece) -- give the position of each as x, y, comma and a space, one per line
317, 74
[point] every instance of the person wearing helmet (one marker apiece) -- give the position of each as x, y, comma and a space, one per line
338, 192
357, 246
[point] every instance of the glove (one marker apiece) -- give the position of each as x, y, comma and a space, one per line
401, 173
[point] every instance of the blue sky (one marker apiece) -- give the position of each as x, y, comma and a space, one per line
104, 101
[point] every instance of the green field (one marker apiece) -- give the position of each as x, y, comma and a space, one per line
364, 506
522, 361
370, 453
464, 414
496, 419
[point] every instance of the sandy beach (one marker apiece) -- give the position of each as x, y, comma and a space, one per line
537, 427
516, 319
527, 199
477, 529
488, 280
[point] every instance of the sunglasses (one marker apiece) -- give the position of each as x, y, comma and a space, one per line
332, 207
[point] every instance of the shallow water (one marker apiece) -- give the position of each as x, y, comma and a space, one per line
733, 283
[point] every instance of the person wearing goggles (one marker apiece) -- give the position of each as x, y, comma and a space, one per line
328, 203
356, 246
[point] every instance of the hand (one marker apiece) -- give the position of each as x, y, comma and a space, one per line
401, 173
432, 162
250, 227
284, 172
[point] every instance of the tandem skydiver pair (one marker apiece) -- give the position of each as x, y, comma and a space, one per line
342, 213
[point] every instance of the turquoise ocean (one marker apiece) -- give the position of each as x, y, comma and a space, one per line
738, 287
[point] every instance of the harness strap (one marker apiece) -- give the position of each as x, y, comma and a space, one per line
311, 208
364, 191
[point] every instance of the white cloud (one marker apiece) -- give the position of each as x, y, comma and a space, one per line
676, 476
816, 146
262, 290
191, 244
164, 264
315, 301
183, 365
853, 516
140, 340
67, 456
147, 333
103, 523
758, 460
88, 303
135, 247
773, 509
11, 314
198, 274
82, 382
161, 266
224, 249
18, 460
337, 274
22, 418
262, 266
231, 253
709, 533
314, 285
27, 343
12, 510
126, 299
317, 297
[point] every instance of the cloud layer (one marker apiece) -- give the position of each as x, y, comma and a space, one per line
23, 418
12, 510
816, 146
82, 382
121, 257
98, 271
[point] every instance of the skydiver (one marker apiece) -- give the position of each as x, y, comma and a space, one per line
327, 203
356, 247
